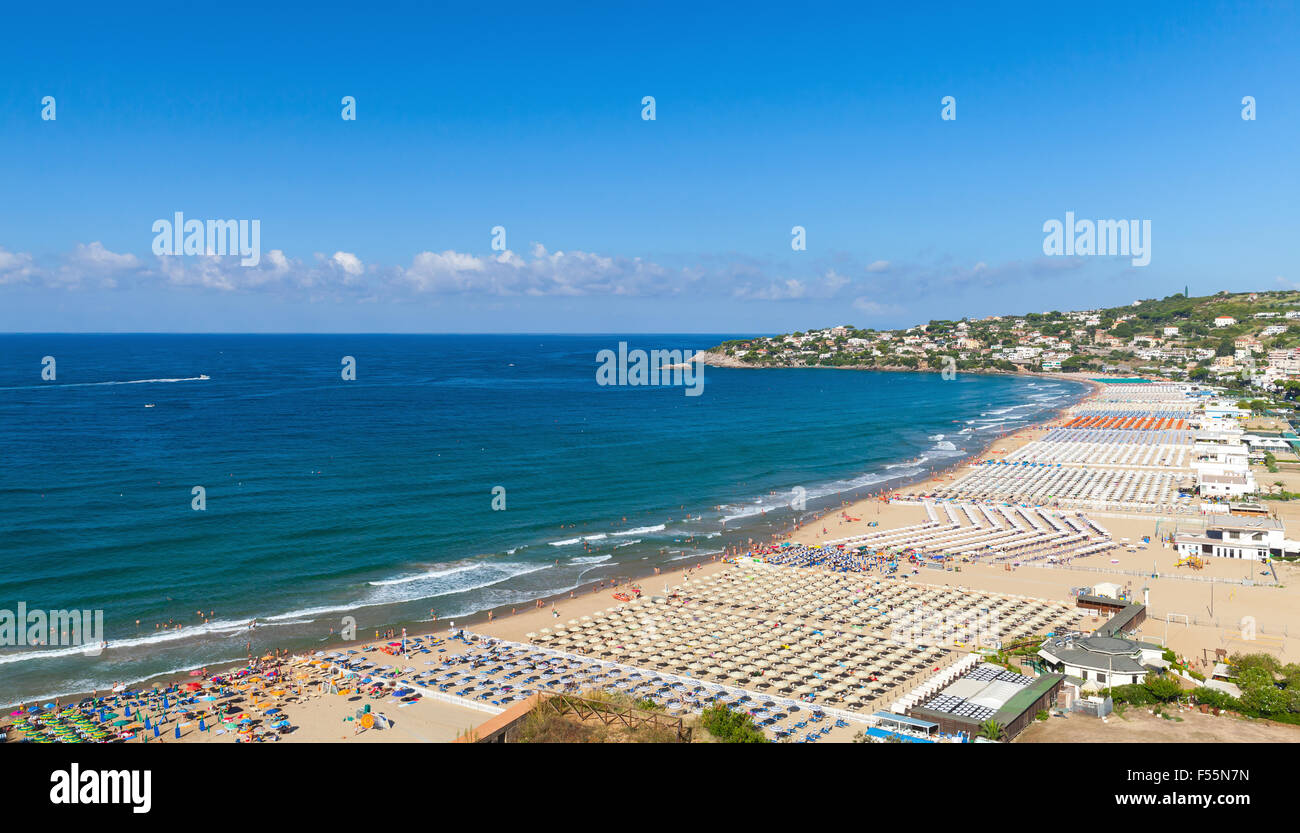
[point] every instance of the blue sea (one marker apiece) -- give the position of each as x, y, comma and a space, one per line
373, 498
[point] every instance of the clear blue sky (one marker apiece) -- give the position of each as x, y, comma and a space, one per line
529, 117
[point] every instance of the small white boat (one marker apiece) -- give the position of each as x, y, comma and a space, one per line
203, 376
150, 405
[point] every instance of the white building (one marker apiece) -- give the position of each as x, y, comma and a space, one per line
1224, 410
1222, 461
1232, 536
1101, 660
1226, 485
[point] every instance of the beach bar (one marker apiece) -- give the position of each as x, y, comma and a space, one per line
901, 723
990, 693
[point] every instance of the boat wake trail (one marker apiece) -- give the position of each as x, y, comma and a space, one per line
99, 384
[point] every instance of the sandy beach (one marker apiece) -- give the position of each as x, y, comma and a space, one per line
1226, 605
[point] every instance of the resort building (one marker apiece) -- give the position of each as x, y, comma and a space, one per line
1234, 536
1108, 657
1222, 463
1227, 485
989, 692
1101, 661
1224, 410
1266, 441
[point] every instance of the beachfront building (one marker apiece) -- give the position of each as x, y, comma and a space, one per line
1223, 409
1226, 485
1108, 590
1222, 463
1233, 536
1263, 441
989, 692
1101, 661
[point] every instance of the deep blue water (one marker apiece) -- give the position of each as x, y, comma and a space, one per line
373, 498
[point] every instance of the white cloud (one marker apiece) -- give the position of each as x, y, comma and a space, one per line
95, 256
348, 262
15, 267
874, 287
91, 263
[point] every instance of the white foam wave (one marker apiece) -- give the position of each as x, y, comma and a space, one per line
568, 542
170, 635
431, 574
641, 530
590, 559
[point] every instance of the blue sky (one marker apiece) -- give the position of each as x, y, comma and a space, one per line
529, 117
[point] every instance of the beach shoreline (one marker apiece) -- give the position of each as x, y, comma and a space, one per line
317, 716
491, 619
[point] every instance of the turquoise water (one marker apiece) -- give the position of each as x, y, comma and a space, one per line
373, 498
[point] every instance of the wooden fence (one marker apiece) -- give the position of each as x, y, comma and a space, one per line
583, 709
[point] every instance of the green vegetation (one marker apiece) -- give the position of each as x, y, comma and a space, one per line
1154, 690
1269, 690
731, 726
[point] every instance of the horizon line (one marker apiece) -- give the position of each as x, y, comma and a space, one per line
352, 333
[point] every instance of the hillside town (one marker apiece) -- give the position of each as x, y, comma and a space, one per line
1247, 342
